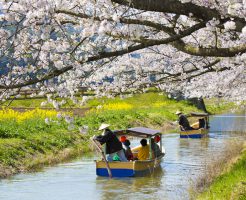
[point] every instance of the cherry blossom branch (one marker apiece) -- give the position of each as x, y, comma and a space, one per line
102, 55
176, 7
180, 45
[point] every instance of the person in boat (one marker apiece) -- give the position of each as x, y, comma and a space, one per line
127, 149
202, 123
155, 147
183, 122
143, 150
126, 146
113, 145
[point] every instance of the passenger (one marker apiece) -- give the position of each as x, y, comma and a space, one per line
183, 122
122, 138
127, 149
202, 123
155, 147
143, 151
113, 145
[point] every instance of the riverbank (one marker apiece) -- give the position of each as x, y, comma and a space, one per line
231, 183
31, 139
32, 163
36, 142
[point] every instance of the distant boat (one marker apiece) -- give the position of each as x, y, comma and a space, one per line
201, 127
135, 167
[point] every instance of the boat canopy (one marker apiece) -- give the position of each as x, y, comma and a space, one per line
193, 114
139, 132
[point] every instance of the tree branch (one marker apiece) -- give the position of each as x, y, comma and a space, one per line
102, 55
176, 7
209, 52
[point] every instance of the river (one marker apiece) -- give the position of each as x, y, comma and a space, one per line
185, 159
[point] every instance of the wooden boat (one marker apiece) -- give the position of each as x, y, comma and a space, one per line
135, 167
200, 130
194, 133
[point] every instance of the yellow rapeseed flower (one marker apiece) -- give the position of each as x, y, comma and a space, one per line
110, 106
9, 114
117, 106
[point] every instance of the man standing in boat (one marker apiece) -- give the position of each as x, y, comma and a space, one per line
183, 122
113, 145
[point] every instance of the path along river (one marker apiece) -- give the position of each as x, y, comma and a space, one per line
185, 159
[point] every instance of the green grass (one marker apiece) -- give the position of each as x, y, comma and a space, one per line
23, 142
24, 103
149, 109
36, 103
216, 106
231, 185
20, 143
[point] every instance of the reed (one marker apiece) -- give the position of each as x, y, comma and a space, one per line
221, 173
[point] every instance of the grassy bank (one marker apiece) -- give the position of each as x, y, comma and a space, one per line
150, 110
225, 178
217, 105
30, 139
35, 138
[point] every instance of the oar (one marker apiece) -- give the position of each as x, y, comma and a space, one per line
104, 157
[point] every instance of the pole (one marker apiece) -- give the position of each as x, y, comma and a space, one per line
104, 157
150, 149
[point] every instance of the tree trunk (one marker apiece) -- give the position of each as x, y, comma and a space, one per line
199, 103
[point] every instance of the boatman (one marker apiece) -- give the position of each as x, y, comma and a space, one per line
113, 145
183, 122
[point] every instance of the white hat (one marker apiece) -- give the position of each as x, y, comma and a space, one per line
103, 126
178, 112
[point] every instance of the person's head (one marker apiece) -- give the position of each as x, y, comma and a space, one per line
178, 112
157, 138
127, 143
143, 142
122, 138
103, 127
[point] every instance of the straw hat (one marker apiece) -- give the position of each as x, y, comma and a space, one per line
103, 126
178, 112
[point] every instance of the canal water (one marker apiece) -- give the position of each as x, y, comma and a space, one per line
185, 159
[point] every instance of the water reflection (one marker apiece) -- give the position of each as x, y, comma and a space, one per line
198, 144
131, 188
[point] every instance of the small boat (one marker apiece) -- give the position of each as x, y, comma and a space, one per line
201, 127
194, 133
135, 167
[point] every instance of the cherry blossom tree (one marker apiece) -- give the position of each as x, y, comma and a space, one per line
194, 46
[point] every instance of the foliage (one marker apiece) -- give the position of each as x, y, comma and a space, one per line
196, 47
38, 103
27, 103
221, 106
26, 135
149, 110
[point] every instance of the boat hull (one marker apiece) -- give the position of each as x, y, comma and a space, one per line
128, 169
200, 133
